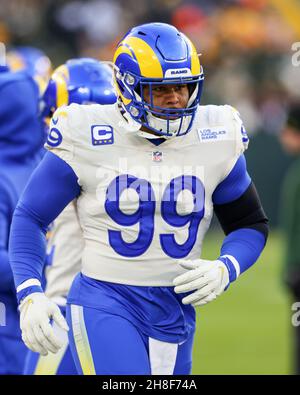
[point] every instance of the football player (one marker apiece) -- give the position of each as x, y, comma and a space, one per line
81, 81
147, 172
21, 141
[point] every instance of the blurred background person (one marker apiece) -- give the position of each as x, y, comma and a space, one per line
290, 215
21, 140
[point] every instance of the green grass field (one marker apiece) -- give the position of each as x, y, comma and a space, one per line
248, 329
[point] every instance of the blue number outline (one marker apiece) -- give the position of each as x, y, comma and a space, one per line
146, 210
168, 206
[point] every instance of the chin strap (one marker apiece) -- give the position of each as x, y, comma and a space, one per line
160, 124
131, 126
128, 123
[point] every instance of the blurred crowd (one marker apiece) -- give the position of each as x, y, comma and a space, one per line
245, 45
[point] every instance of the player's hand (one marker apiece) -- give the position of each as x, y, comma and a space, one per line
37, 333
207, 278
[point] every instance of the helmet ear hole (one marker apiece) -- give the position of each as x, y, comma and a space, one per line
138, 90
191, 88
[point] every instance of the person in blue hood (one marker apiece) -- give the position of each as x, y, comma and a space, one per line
21, 140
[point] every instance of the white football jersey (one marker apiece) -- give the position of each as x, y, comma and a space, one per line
64, 249
142, 206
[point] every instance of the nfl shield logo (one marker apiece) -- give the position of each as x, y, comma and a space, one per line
157, 156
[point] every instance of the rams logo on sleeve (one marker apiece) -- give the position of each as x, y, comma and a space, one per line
244, 135
54, 137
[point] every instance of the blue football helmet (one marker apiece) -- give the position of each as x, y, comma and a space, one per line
155, 54
82, 81
33, 61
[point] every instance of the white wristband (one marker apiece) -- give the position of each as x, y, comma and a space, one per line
29, 283
234, 262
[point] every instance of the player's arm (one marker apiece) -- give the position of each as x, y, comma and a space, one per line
53, 184
244, 222
240, 213
51, 187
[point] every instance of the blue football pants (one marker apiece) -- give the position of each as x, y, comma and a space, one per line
104, 344
61, 363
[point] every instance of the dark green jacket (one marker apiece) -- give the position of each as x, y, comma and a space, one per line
290, 217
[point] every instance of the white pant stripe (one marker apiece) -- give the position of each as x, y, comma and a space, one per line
162, 357
82, 341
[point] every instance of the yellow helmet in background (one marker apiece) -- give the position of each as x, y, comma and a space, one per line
32, 60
